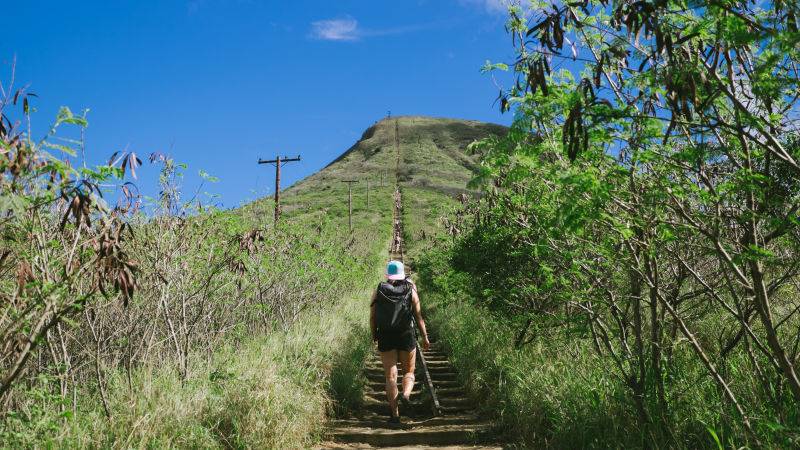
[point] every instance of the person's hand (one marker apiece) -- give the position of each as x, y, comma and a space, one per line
426, 344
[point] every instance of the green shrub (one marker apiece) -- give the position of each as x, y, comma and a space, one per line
557, 392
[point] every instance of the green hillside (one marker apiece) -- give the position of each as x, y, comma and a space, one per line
433, 153
434, 170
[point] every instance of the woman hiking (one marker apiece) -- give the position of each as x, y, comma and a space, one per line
394, 305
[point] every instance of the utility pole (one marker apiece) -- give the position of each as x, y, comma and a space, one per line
278, 161
350, 202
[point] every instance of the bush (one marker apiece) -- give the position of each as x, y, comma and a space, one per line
557, 392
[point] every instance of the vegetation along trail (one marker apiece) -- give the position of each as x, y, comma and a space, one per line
191, 327
619, 268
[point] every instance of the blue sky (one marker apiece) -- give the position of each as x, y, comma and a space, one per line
219, 83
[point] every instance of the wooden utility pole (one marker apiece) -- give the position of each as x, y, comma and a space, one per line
350, 202
278, 161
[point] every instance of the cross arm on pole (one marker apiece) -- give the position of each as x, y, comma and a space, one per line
283, 160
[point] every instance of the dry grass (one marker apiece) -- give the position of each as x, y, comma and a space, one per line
267, 392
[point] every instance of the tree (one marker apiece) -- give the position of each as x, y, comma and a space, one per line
649, 187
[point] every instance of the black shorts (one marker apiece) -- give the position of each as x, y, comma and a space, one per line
404, 341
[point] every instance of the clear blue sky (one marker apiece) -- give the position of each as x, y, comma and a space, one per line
219, 83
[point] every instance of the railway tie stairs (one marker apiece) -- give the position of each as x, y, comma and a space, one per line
446, 420
458, 427
441, 415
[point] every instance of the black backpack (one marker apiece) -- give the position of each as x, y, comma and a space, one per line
393, 307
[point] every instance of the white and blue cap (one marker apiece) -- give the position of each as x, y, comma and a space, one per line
395, 271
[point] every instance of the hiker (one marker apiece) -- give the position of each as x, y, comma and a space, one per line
394, 305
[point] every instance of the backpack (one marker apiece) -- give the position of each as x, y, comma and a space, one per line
393, 307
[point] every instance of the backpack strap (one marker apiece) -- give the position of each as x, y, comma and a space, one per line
413, 286
377, 292
410, 293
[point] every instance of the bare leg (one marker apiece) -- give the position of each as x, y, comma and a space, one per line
389, 361
408, 361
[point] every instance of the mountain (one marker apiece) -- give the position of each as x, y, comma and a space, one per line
433, 166
432, 151
426, 156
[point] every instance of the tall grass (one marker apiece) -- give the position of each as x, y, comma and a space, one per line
270, 391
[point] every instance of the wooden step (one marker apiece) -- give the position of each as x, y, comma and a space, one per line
380, 373
379, 421
376, 406
342, 446
380, 385
381, 378
448, 401
457, 391
441, 369
446, 447
379, 367
444, 398
443, 376
437, 362
438, 384
425, 435
457, 427
417, 391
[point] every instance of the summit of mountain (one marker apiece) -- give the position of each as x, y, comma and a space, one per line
432, 154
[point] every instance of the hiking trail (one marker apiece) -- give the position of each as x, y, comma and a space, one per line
446, 420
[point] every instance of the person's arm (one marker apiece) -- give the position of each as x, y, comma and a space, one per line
418, 313
372, 325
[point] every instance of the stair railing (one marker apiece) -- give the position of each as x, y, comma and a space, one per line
426, 375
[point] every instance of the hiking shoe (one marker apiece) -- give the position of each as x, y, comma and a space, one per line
406, 402
407, 408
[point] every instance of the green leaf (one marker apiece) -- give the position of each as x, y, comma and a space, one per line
63, 148
489, 66
715, 437
65, 115
204, 175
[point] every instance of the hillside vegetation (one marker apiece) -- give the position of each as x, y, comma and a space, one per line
184, 326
